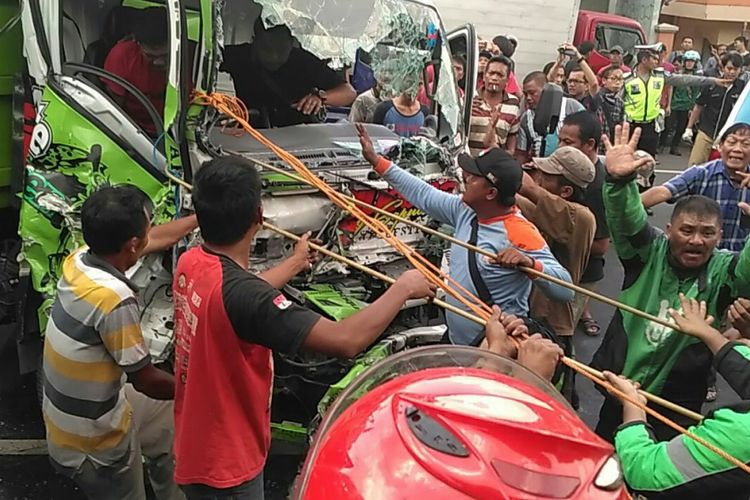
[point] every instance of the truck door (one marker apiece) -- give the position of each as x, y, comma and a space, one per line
83, 136
463, 42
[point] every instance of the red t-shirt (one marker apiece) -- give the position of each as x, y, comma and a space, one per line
227, 322
127, 61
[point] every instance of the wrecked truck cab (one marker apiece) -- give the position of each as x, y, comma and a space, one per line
82, 138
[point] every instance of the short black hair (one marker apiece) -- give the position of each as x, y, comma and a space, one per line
609, 70
686, 37
579, 194
733, 129
152, 26
586, 47
112, 215
644, 54
588, 126
742, 39
734, 57
536, 76
500, 59
696, 204
460, 60
486, 53
571, 67
226, 197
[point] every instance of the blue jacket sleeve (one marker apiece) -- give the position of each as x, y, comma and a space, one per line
555, 269
439, 205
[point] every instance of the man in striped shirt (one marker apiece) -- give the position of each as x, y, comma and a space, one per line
494, 112
98, 428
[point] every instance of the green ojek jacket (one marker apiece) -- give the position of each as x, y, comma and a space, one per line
665, 362
684, 469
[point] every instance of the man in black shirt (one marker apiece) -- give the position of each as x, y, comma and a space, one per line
582, 131
713, 108
286, 84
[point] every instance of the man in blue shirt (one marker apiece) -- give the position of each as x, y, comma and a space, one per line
719, 180
485, 215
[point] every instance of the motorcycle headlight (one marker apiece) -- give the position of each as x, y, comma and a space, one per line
610, 475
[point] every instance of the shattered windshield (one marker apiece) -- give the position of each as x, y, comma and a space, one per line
403, 41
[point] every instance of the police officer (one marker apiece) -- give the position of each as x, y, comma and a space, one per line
643, 90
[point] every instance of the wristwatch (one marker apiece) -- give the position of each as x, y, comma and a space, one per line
322, 94
580, 59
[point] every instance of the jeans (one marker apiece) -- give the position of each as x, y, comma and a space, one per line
249, 490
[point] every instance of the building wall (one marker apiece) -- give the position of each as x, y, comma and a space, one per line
704, 32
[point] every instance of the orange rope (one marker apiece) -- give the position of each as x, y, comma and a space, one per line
723, 454
235, 109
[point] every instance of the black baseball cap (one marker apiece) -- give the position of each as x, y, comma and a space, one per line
498, 167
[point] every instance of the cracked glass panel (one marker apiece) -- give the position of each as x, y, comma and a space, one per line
401, 36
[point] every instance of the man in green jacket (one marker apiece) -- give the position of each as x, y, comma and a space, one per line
658, 267
682, 468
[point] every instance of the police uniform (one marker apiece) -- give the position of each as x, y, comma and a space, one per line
643, 106
643, 99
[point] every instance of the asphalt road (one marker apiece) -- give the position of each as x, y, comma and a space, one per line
25, 472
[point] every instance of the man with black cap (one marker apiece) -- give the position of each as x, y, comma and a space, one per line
485, 215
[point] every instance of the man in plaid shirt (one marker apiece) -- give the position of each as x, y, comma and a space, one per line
720, 180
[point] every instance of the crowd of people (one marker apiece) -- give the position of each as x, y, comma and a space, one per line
552, 200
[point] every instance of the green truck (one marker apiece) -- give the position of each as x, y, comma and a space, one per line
65, 136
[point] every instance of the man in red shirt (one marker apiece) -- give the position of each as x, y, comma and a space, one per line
142, 61
227, 323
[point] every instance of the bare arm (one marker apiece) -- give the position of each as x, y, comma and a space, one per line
655, 196
695, 115
153, 382
347, 338
165, 236
343, 95
510, 145
591, 78
301, 260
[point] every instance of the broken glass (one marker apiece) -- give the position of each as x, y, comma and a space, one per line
402, 37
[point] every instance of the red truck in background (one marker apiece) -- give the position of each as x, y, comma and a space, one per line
606, 31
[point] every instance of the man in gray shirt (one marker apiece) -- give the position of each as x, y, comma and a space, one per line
529, 142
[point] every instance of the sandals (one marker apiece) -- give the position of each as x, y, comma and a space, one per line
590, 327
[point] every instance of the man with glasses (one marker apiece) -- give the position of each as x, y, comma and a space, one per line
643, 90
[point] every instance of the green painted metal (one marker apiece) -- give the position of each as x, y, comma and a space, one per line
11, 54
58, 179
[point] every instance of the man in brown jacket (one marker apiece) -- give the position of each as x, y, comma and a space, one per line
553, 199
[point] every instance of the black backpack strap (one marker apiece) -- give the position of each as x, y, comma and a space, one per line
476, 277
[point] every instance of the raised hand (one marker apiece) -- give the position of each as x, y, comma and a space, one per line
621, 160
692, 318
368, 150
